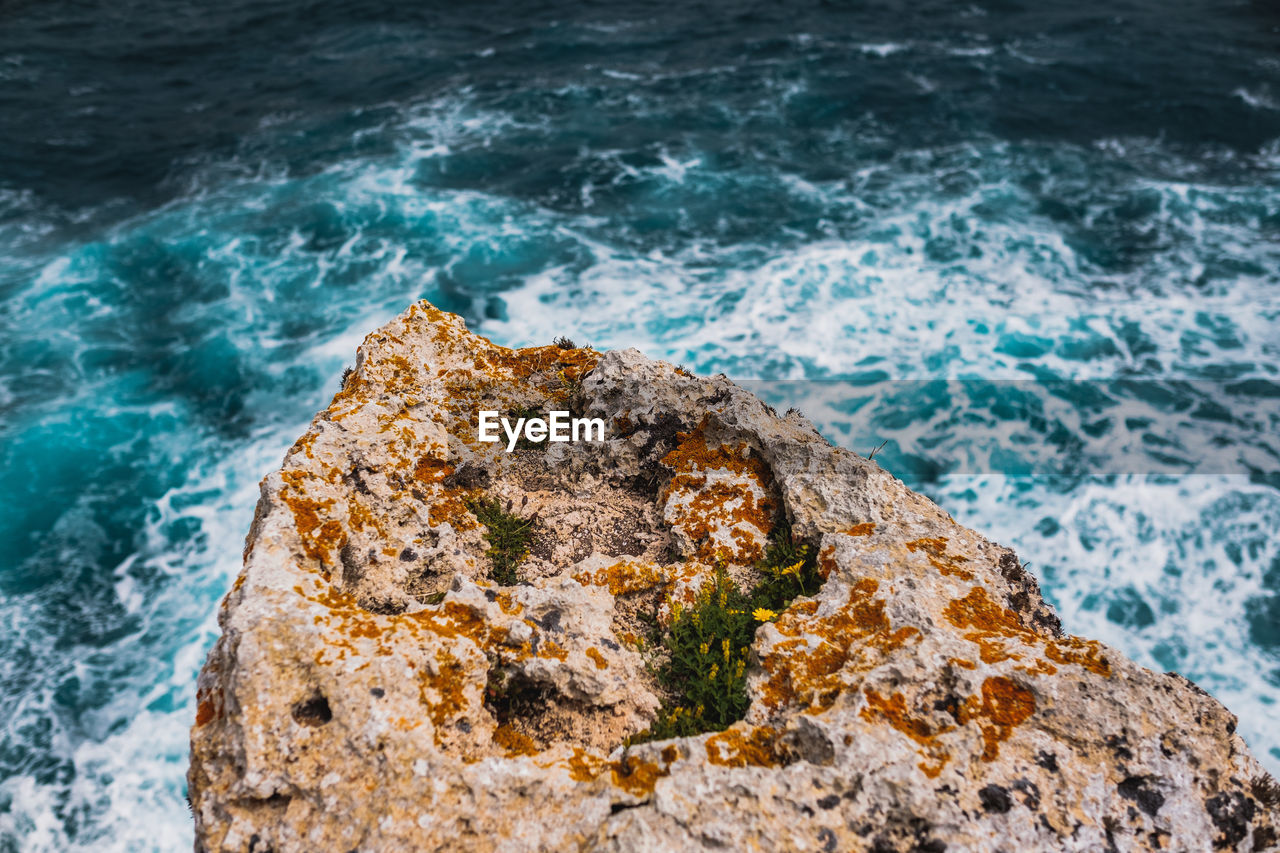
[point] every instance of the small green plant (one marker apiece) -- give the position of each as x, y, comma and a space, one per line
706, 660
877, 449
571, 386
564, 343
787, 570
705, 650
508, 536
346, 374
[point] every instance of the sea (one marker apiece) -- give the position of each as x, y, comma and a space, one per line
1028, 253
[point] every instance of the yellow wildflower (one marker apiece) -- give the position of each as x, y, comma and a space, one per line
724, 647
715, 670
793, 569
763, 614
703, 649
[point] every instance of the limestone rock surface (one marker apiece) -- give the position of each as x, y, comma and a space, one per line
373, 690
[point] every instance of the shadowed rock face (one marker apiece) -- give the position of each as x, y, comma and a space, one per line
372, 689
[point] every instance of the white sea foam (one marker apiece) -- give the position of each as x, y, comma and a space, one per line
883, 49
1259, 99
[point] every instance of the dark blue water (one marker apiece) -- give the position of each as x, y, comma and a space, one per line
204, 207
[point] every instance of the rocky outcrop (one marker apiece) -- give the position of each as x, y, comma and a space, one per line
373, 690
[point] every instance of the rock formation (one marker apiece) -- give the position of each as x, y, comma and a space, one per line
374, 690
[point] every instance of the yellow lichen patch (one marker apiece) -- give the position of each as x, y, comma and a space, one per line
935, 550
304, 443
507, 604
450, 506
625, 577
551, 649
741, 745
513, 742
1005, 705
583, 766
865, 528
636, 776
598, 658
448, 684
962, 663
808, 670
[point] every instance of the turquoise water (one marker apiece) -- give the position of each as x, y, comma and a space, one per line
202, 211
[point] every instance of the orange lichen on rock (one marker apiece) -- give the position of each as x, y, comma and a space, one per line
978, 611
450, 506
741, 746
827, 562
598, 658
1005, 704
208, 706
865, 528
935, 550
720, 498
431, 470
993, 624
321, 534
893, 710
1085, 653
808, 670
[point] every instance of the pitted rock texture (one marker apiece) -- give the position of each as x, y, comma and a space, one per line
372, 690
